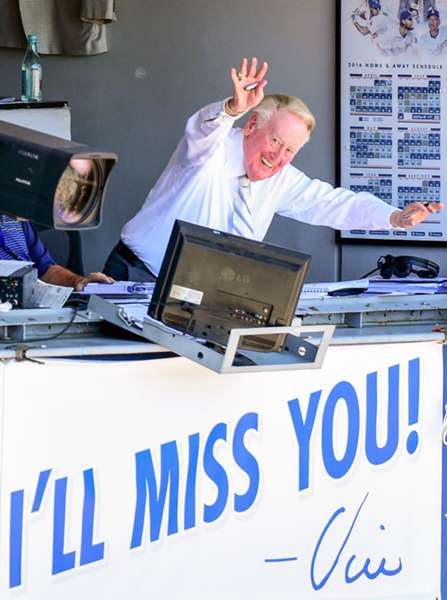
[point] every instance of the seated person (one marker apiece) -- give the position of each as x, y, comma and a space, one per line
19, 241
235, 180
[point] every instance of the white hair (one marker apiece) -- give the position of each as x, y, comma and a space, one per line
276, 102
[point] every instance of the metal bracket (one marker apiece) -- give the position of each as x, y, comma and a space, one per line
305, 346
300, 353
354, 319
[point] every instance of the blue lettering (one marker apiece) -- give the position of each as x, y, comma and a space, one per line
216, 473
146, 483
16, 538
364, 571
190, 494
90, 552
378, 455
246, 461
152, 491
40, 489
61, 561
414, 377
303, 431
381, 570
334, 467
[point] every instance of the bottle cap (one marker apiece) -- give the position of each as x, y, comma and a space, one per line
32, 37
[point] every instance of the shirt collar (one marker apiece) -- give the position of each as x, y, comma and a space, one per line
235, 154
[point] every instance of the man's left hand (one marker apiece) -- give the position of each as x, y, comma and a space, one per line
414, 213
92, 278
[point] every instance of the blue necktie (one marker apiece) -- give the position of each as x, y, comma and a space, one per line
242, 217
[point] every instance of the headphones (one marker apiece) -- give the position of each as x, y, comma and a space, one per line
402, 266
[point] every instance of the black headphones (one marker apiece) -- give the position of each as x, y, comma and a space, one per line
402, 266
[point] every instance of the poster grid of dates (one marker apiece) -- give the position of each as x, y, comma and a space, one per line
393, 64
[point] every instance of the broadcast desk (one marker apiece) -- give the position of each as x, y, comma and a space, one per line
130, 472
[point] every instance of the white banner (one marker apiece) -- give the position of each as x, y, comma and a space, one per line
159, 479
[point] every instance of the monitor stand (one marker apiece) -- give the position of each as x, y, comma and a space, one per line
305, 346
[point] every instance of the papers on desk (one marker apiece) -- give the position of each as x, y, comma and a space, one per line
318, 290
47, 295
394, 286
117, 288
407, 286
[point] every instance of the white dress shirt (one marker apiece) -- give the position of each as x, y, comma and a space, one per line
200, 185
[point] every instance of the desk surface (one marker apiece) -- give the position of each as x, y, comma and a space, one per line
358, 320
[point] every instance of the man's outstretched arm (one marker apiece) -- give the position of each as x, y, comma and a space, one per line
318, 203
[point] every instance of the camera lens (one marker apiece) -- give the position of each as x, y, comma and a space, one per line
77, 196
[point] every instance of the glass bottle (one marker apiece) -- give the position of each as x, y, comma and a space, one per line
31, 72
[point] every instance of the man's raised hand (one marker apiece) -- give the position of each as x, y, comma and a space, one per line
248, 75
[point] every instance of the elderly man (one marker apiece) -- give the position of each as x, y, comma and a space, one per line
235, 180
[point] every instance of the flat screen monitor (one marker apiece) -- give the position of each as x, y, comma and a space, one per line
211, 282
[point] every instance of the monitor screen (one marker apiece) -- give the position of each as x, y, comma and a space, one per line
211, 282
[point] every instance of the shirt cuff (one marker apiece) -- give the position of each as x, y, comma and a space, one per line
222, 115
233, 117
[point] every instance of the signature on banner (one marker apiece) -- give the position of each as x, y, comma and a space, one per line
168, 501
343, 560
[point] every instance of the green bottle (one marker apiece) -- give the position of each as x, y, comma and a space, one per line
31, 72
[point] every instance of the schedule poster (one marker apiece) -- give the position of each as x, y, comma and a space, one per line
393, 108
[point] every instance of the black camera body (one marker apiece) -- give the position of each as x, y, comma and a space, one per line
32, 164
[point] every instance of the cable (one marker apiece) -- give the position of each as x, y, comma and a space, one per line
220, 312
51, 337
370, 273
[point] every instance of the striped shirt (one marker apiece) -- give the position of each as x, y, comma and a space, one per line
19, 241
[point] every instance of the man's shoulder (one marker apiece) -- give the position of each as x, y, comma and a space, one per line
234, 140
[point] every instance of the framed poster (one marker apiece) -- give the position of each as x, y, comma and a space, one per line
393, 109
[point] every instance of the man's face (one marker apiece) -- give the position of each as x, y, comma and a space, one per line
273, 145
433, 25
408, 24
374, 11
